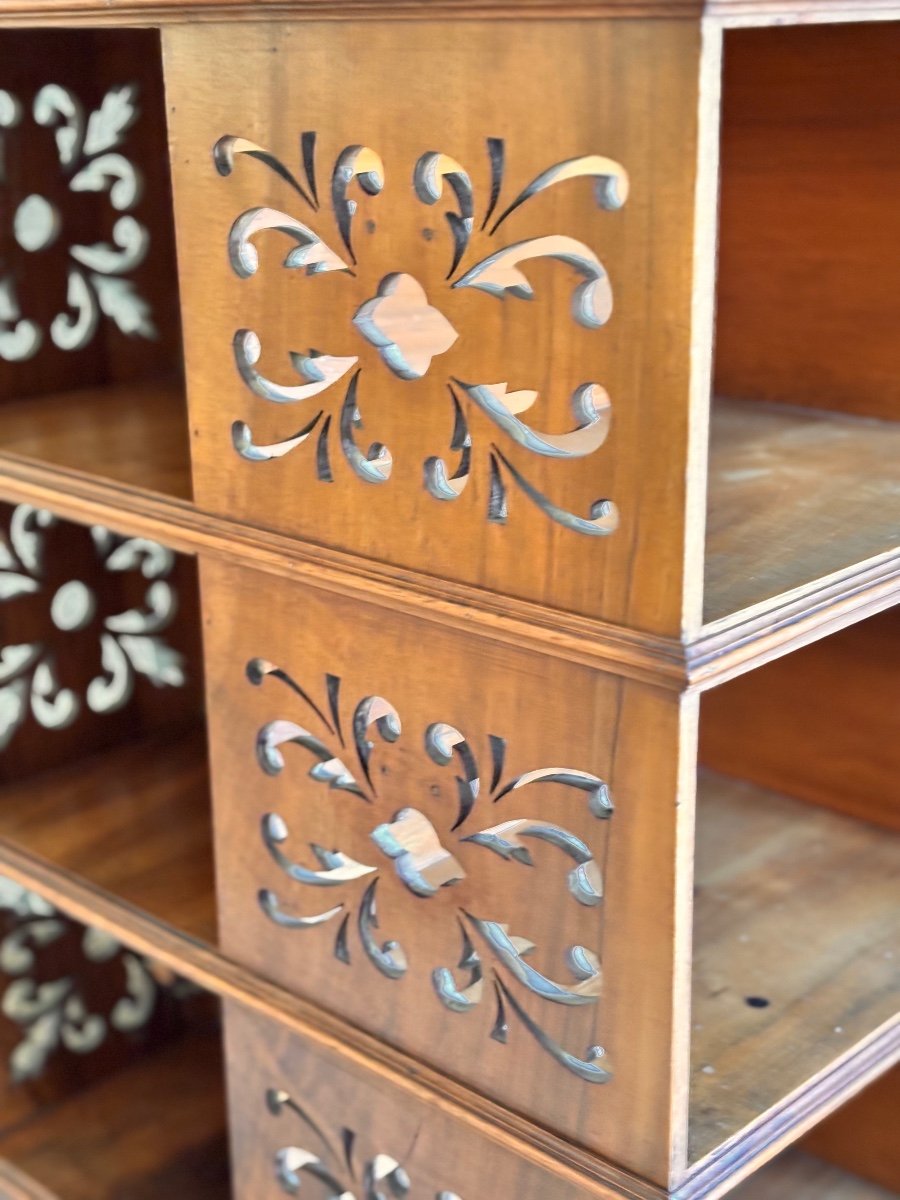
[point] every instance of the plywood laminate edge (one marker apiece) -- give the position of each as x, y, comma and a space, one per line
212, 971
784, 1123
738, 643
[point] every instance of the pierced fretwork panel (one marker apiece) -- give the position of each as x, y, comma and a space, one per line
86, 257
97, 638
446, 329
307, 1120
432, 837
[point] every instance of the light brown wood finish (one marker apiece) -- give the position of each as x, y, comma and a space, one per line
134, 434
797, 1176
135, 821
797, 907
149, 1132
862, 1136
756, 12
822, 724
795, 497
641, 356
810, 218
596, 724
439, 1156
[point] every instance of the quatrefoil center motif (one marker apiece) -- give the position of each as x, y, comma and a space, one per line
405, 329
421, 862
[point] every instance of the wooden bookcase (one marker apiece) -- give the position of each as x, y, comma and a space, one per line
508, 769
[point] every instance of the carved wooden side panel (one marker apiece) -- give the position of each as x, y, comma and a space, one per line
98, 638
86, 244
309, 1120
466, 849
75, 1005
437, 316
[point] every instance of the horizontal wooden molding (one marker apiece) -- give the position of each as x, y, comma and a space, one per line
708, 1179
158, 12
215, 973
776, 1129
57, 12
720, 651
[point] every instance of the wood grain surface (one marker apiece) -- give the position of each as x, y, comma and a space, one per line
798, 1176
796, 949
626, 90
439, 1157
134, 434
135, 821
862, 1135
149, 1132
753, 12
822, 724
624, 733
810, 217
793, 497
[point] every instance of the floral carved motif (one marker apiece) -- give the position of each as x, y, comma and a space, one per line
90, 160
334, 1163
128, 642
408, 849
413, 337
71, 1007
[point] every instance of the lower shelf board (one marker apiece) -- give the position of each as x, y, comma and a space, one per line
153, 1131
798, 1176
134, 821
796, 950
794, 496
136, 434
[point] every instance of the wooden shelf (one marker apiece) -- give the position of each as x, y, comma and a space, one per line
798, 1176
795, 906
133, 434
134, 821
148, 1132
795, 496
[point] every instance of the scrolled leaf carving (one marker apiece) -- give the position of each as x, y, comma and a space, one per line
410, 332
425, 858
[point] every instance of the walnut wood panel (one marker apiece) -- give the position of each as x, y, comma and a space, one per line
300, 1112
862, 1135
810, 218
134, 434
151, 1131
135, 821
105, 274
533, 743
798, 1176
622, 90
822, 724
796, 950
794, 497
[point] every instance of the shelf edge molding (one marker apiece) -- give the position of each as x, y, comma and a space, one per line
719, 652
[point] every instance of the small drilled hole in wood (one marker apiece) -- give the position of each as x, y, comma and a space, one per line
757, 1002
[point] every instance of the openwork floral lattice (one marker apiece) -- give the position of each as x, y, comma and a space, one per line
414, 852
334, 1164
88, 151
128, 641
75, 1010
410, 334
